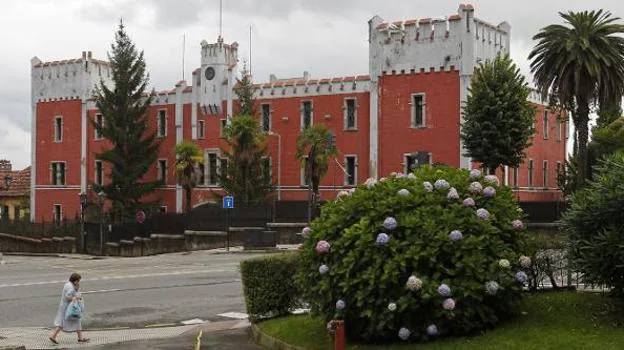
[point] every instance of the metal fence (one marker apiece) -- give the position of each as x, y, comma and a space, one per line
45, 229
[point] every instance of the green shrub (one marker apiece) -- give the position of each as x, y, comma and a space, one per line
372, 278
269, 285
595, 226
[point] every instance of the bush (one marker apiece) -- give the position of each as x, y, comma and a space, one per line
595, 226
441, 270
269, 285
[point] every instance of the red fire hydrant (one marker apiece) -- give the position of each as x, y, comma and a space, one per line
339, 336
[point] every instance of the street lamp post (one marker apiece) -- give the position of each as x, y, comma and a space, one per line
83, 206
101, 200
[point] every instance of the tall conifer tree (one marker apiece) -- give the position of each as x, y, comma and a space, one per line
134, 148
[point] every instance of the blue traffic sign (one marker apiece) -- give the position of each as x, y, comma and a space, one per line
228, 202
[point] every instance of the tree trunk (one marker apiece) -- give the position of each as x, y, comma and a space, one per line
583, 137
188, 192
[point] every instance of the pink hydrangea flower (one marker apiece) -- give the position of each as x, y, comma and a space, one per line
322, 247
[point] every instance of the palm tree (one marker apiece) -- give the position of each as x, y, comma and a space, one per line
315, 147
580, 65
188, 158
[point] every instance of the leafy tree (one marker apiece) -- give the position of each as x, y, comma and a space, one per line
245, 92
188, 157
498, 116
582, 64
124, 108
315, 147
246, 176
608, 139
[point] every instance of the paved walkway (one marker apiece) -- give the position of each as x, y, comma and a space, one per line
37, 338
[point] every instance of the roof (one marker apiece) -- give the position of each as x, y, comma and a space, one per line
299, 81
70, 61
20, 183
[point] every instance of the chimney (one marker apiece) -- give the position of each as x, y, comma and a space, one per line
272, 78
306, 75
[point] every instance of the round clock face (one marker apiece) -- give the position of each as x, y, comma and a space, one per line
210, 73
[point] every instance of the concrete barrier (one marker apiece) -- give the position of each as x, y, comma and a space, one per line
288, 232
19, 244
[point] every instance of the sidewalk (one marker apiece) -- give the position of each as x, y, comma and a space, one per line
229, 334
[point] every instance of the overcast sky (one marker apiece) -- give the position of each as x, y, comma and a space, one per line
324, 37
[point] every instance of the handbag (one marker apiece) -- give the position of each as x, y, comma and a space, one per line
74, 311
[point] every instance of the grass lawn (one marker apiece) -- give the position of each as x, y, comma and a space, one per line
564, 320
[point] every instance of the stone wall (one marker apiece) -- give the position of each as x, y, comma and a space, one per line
14, 244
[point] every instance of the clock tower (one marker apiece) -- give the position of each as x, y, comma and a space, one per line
217, 62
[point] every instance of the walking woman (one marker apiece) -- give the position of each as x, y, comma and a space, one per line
70, 294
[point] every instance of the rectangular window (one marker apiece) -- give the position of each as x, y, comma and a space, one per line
418, 110
351, 173
99, 172
559, 129
306, 114
213, 178
545, 125
99, 120
58, 213
163, 209
58, 129
57, 174
201, 129
414, 160
223, 126
162, 123
305, 179
266, 117
516, 176
202, 174
350, 114
545, 173
162, 170
530, 173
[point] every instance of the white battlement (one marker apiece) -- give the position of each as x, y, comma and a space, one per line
302, 87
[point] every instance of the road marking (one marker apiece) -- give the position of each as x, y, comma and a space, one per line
236, 315
193, 321
102, 291
161, 325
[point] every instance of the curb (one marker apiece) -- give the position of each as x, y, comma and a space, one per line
257, 251
13, 347
55, 255
265, 340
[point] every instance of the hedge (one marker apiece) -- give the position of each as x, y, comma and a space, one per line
269, 285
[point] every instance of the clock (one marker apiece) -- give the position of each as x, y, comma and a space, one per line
210, 73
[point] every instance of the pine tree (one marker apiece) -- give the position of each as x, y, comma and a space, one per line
247, 175
124, 108
498, 116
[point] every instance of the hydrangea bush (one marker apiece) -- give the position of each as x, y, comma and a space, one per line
417, 257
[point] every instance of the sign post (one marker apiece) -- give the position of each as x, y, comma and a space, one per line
228, 203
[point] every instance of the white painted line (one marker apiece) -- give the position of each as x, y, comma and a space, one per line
193, 321
236, 315
102, 291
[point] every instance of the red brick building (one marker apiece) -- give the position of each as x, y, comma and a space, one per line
406, 109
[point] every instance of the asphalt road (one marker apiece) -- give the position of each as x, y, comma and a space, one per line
123, 292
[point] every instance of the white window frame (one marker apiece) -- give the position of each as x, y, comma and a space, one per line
55, 175
160, 170
58, 129
207, 167
530, 168
545, 124
355, 169
159, 122
201, 129
99, 178
302, 109
96, 135
262, 124
413, 110
545, 173
412, 154
345, 108
60, 213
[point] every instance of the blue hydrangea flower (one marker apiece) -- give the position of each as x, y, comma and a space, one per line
340, 305
390, 223
452, 194
306, 231
469, 202
323, 269
492, 179
441, 184
475, 174
456, 235
489, 191
492, 287
444, 290
517, 225
403, 192
475, 187
432, 330
382, 239
404, 333
522, 277
483, 214
428, 186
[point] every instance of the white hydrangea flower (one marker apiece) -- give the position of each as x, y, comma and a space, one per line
504, 263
